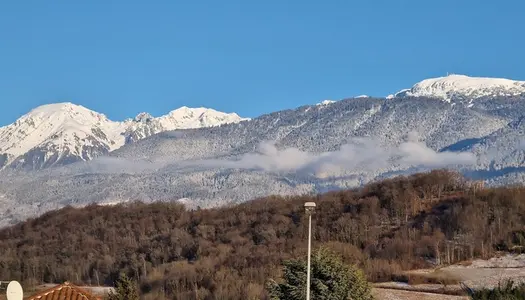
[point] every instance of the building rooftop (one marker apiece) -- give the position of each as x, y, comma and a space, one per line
65, 291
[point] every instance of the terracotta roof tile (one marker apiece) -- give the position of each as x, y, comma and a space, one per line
65, 291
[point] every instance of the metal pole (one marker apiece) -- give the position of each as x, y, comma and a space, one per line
309, 251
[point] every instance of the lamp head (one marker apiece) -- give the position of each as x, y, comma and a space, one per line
309, 206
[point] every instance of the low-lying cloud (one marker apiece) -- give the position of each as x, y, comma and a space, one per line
416, 153
360, 154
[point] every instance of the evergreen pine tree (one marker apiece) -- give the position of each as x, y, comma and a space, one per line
330, 279
126, 289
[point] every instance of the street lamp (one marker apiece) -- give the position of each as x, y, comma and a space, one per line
309, 208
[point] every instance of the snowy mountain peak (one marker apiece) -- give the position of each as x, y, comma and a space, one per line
143, 117
54, 107
62, 110
186, 117
62, 124
58, 132
454, 86
188, 112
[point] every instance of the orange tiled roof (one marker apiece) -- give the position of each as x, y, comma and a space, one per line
65, 291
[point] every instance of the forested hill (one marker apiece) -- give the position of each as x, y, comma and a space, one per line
229, 252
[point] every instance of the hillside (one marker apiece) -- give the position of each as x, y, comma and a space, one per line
386, 227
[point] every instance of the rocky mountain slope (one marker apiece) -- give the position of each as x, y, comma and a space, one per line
62, 133
310, 149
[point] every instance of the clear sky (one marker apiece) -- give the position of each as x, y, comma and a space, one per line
252, 57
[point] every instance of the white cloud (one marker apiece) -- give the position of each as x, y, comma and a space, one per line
357, 156
360, 154
418, 154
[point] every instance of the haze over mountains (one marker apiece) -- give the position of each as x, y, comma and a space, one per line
66, 154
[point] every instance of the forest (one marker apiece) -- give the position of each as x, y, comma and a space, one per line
384, 227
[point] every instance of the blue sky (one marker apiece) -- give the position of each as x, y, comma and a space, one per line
252, 57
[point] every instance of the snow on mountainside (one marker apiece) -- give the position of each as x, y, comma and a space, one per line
64, 132
325, 102
309, 149
145, 125
454, 87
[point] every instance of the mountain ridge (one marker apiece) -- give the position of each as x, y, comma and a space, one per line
305, 150
455, 86
60, 133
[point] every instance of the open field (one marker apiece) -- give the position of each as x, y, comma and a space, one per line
488, 273
393, 294
476, 274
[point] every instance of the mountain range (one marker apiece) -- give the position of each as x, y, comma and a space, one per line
63, 133
64, 154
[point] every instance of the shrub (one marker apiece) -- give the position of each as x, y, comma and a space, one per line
506, 291
126, 290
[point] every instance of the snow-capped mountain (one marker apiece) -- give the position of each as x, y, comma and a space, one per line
461, 87
145, 125
309, 149
62, 133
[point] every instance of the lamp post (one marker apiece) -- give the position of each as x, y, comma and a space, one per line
309, 208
